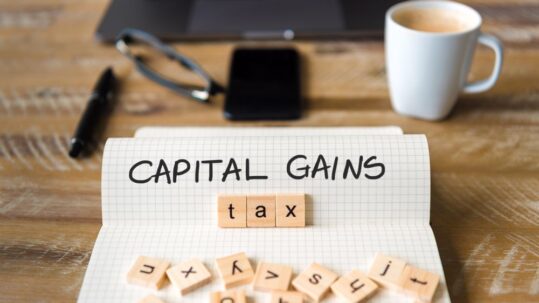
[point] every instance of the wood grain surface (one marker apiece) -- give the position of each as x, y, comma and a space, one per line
485, 156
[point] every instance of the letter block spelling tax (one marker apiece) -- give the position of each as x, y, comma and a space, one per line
290, 210
270, 277
148, 272
232, 210
315, 281
188, 276
235, 270
387, 271
419, 283
354, 287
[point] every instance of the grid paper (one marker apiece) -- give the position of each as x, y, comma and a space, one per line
349, 220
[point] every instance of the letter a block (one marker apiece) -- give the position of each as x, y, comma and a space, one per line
261, 211
286, 297
232, 210
354, 287
235, 270
419, 283
188, 276
290, 210
315, 281
231, 296
148, 272
387, 271
270, 277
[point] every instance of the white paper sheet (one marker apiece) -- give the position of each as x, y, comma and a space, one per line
349, 220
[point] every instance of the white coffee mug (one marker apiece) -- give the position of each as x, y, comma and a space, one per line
427, 70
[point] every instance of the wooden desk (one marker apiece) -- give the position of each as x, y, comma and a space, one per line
485, 157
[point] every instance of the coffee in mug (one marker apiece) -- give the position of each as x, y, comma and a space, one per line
429, 49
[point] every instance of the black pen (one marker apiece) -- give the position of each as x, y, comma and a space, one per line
94, 114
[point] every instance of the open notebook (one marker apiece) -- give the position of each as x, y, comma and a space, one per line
349, 220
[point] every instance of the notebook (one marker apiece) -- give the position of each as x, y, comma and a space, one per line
348, 219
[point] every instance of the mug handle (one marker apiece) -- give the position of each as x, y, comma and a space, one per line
483, 85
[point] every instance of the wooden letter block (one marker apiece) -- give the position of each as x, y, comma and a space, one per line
270, 277
290, 210
286, 297
419, 283
231, 296
354, 287
188, 276
261, 211
387, 271
148, 272
151, 299
235, 270
232, 210
315, 281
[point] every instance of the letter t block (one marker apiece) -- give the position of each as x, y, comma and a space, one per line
232, 210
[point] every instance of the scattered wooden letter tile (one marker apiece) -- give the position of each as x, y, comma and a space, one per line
232, 210
354, 287
261, 211
290, 210
286, 297
151, 299
315, 281
230, 296
188, 276
148, 272
387, 271
419, 283
235, 270
270, 277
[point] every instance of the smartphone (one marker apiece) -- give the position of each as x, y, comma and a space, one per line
264, 84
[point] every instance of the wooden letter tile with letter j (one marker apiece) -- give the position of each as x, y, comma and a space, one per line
387, 271
148, 272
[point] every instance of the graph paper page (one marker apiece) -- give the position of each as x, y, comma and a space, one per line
349, 220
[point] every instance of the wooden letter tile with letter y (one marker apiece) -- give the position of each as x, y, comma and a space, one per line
235, 270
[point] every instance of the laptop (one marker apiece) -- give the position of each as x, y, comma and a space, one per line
246, 19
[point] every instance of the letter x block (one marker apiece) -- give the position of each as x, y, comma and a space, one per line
354, 287
188, 276
286, 297
235, 270
148, 272
232, 210
290, 210
315, 281
387, 271
231, 296
419, 283
270, 277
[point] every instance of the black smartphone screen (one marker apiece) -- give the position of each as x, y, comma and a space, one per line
264, 84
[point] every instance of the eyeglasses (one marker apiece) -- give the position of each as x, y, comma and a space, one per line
202, 94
